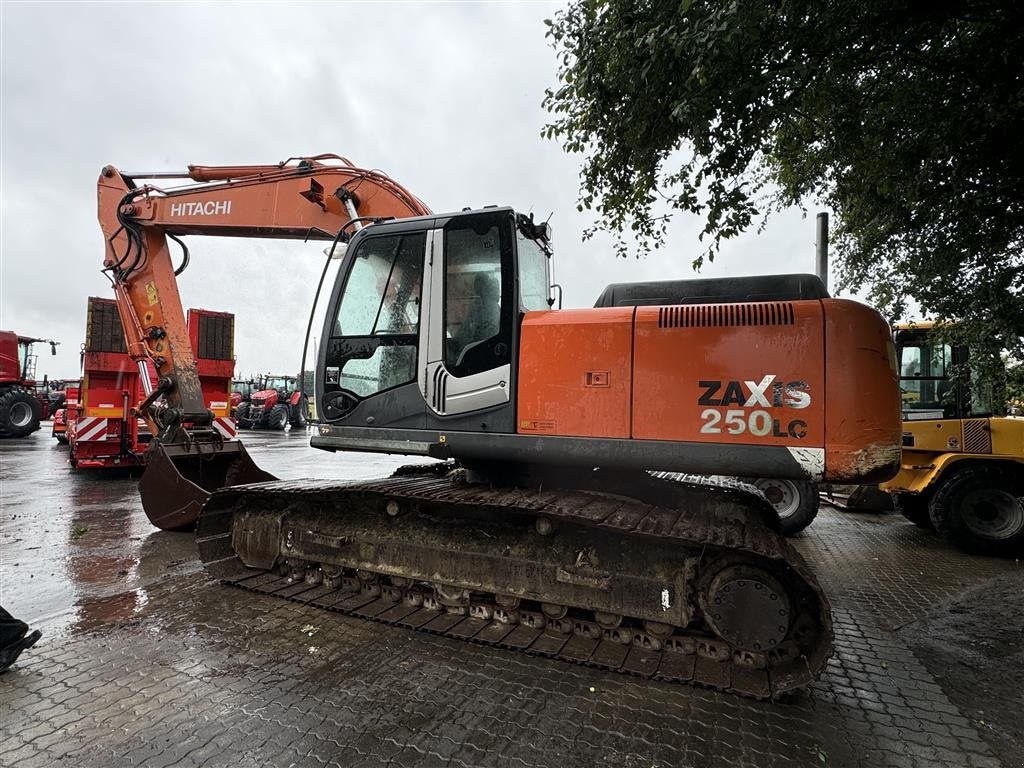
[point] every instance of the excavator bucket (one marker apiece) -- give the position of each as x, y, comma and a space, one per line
178, 480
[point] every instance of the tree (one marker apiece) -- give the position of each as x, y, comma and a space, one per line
905, 118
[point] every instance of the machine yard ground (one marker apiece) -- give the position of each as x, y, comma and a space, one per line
147, 661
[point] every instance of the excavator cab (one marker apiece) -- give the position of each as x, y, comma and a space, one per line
422, 325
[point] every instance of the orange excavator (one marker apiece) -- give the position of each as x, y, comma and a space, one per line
570, 517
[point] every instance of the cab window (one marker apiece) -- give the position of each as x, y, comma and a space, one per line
378, 317
533, 274
925, 382
477, 272
382, 293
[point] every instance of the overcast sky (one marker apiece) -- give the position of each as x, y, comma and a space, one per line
445, 97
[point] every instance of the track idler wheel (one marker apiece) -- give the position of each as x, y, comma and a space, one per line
747, 607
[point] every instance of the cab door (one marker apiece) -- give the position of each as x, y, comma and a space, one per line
472, 314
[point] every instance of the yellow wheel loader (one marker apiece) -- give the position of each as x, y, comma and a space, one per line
962, 468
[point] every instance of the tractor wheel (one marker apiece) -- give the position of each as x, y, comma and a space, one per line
298, 419
242, 416
796, 501
278, 417
19, 412
914, 507
981, 510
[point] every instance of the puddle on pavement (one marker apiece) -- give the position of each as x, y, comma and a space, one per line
76, 549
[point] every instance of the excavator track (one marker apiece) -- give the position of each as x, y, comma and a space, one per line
667, 577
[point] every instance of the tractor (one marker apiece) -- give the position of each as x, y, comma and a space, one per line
241, 391
274, 403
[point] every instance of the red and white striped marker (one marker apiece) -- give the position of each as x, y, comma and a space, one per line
89, 429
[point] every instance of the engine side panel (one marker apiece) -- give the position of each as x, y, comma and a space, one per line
574, 373
730, 373
753, 374
864, 422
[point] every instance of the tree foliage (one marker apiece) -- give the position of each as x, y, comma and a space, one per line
905, 118
1015, 387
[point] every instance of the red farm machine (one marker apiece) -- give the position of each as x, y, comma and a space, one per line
68, 402
274, 403
23, 400
241, 391
102, 427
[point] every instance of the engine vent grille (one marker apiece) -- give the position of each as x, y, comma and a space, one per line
716, 315
977, 437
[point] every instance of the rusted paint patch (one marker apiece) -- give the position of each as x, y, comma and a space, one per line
872, 464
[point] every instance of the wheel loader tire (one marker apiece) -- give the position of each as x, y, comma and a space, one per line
298, 418
19, 412
242, 419
796, 501
914, 507
981, 510
278, 418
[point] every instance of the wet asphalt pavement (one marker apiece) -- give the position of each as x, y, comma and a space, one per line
146, 661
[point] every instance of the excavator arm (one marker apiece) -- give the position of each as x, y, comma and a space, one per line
323, 197
311, 198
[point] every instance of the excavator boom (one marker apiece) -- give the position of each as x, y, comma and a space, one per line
317, 198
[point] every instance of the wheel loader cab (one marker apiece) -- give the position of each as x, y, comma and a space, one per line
962, 471
942, 410
927, 386
422, 327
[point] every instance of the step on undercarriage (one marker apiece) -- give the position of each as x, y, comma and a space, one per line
675, 579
